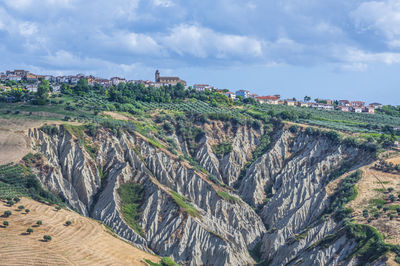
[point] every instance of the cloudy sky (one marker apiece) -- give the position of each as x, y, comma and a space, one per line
331, 48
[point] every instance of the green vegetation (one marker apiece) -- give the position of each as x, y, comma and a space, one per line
163, 262
68, 223
132, 195
346, 192
222, 149
47, 238
39, 223
29, 230
5, 223
17, 180
228, 197
370, 244
185, 205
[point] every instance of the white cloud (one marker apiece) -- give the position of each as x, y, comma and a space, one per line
27, 29
382, 17
203, 42
163, 3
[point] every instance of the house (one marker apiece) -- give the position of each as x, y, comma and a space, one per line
324, 101
14, 77
290, 102
268, 99
323, 106
91, 80
31, 77
376, 105
253, 95
50, 78
56, 88
344, 108
62, 79
3, 76
202, 87
357, 109
116, 80
302, 104
369, 109
31, 87
357, 104
230, 94
344, 103
243, 93
19, 73
396, 144
103, 82
168, 80
74, 79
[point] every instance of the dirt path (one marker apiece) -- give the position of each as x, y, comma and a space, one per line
84, 242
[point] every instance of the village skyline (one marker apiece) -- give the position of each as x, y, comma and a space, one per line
30, 81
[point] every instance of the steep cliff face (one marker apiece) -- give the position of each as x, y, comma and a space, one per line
285, 186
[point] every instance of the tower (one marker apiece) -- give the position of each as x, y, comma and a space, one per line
157, 76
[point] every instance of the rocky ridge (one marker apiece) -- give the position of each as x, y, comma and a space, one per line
282, 193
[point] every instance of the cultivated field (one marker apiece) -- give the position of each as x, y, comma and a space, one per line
84, 242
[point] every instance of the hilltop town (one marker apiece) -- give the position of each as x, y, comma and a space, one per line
30, 82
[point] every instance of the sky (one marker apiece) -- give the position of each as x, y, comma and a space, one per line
340, 49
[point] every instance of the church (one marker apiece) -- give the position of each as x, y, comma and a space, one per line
168, 80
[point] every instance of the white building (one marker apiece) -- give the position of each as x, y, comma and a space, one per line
243, 93
116, 80
230, 94
202, 87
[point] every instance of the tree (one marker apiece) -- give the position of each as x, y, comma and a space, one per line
5, 223
16, 199
21, 207
58, 208
10, 202
42, 92
68, 223
27, 210
47, 238
7, 213
307, 98
29, 230
39, 223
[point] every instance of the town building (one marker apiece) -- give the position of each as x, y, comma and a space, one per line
290, 102
19, 73
344, 108
376, 105
243, 93
344, 103
369, 109
14, 77
357, 104
202, 87
168, 80
230, 94
357, 109
324, 101
3, 76
31, 87
116, 80
268, 99
302, 104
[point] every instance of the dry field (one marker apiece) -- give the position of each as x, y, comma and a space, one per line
372, 186
84, 242
13, 139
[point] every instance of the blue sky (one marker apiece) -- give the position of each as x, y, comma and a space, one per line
331, 48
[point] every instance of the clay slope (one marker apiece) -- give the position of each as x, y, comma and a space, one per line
283, 193
84, 242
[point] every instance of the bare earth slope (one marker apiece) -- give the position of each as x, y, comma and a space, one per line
84, 242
